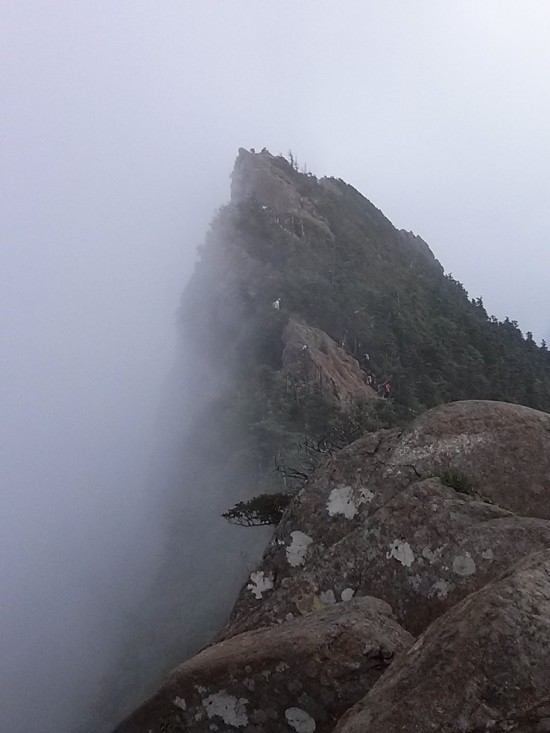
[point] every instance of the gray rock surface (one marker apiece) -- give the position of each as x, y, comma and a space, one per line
503, 448
299, 676
422, 552
303, 643
483, 666
272, 182
361, 527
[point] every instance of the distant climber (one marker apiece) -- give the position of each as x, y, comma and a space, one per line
276, 304
387, 390
370, 379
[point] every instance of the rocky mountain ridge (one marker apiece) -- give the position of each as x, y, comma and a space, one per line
313, 629
407, 585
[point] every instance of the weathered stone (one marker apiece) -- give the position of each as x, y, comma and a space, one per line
420, 549
427, 548
483, 666
300, 676
422, 552
312, 358
503, 449
272, 182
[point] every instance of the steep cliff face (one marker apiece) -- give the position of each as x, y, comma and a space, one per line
400, 523
310, 357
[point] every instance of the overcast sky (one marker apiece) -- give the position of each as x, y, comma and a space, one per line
120, 123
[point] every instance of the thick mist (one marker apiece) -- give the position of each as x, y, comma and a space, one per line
99, 226
120, 123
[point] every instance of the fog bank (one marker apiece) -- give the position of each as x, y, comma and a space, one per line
119, 128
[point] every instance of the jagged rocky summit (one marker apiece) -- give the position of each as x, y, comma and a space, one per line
407, 584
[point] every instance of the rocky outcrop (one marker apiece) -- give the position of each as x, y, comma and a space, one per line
483, 666
271, 181
503, 449
366, 524
421, 248
313, 360
300, 676
422, 552
308, 637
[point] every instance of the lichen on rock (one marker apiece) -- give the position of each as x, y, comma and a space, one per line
305, 673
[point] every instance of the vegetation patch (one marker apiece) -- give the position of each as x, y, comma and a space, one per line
458, 481
261, 510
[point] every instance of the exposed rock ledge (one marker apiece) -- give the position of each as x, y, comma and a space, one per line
377, 520
310, 357
484, 666
299, 676
368, 523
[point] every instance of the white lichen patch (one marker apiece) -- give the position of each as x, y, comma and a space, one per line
432, 556
259, 583
297, 550
402, 552
301, 721
440, 589
180, 703
327, 596
346, 501
464, 565
487, 554
230, 709
365, 496
347, 594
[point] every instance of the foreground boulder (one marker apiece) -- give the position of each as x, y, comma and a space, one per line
366, 525
424, 551
300, 676
503, 449
483, 666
